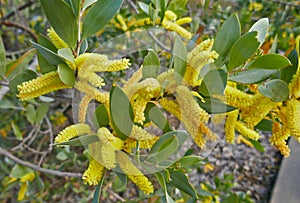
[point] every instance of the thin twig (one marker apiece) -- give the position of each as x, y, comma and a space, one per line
6, 84
115, 195
37, 168
20, 26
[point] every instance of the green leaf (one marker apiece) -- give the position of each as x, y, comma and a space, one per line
2, 58
22, 62
101, 116
151, 65
25, 75
262, 27
270, 61
190, 161
88, 3
232, 198
265, 125
121, 112
83, 47
226, 37
62, 156
162, 181
5, 103
18, 171
96, 197
257, 145
180, 181
252, 76
144, 7
214, 82
83, 140
67, 54
66, 75
49, 55
17, 131
76, 6
44, 64
274, 45
61, 17
214, 106
99, 15
41, 112
275, 89
154, 114
30, 114
242, 50
287, 73
180, 57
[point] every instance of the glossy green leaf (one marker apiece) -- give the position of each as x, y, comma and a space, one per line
270, 61
265, 125
121, 112
97, 193
162, 181
83, 47
276, 89
214, 106
49, 55
66, 75
144, 7
180, 57
214, 82
16, 131
257, 145
252, 76
190, 162
83, 140
63, 20
44, 64
22, 62
41, 112
66, 53
76, 6
6, 103
155, 115
30, 114
2, 58
226, 37
232, 198
18, 171
180, 181
151, 64
88, 3
99, 15
242, 50
25, 75
262, 27
287, 73
102, 116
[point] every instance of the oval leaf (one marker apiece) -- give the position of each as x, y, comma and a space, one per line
180, 181
25, 75
121, 112
99, 15
66, 53
180, 57
214, 82
102, 116
155, 115
288, 72
270, 61
242, 50
252, 76
214, 106
226, 37
275, 89
66, 75
151, 65
63, 20
261, 26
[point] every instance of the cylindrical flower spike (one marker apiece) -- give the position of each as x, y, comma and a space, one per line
94, 173
184, 20
56, 40
229, 125
170, 15
41, 85
72, 131
293, 115
177, 28
237, 98
83, 106
241, 128
134, 174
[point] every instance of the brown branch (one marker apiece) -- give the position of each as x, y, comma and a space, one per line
37, 168
22, 7
20, 26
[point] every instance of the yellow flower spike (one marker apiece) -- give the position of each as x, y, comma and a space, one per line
139, 106
149, 85
56, 40
191, 76
184, 20
189, 105
88, 59
116, 65
122, 22
22, 191
104, 153
28, 177
261, 106
142, 22
41, 85
177, 28
229, 125
107, 137
293, 115
136, 76
131, 143
134, 174
241, 139
72, 131
171, 106
138, 133
241, 128
206, 45
167, 77
294, 85
170, 15
237, 98
83, 106
283, 148
94, 173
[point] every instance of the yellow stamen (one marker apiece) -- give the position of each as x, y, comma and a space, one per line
56, 40
229, 125
241, 128
94, 173
184, 20
72, 131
